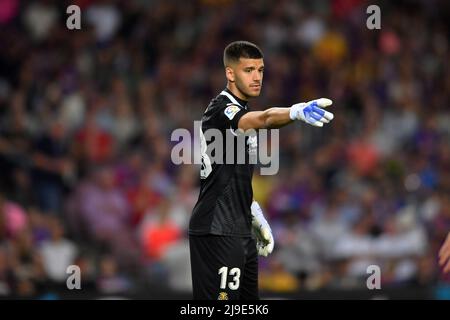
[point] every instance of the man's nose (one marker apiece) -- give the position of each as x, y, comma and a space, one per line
256, 76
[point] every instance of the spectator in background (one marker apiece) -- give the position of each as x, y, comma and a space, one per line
176, 260
93, 145
21, 190
142, 197
106, 19
13, 217
53, 168
39, 18
328, 228
39, 224
6, 285
57, 253
110, 280
72, 110
298, 249
25, 264
15, 140
86, 261
128, 171
444, 255
184, 198
363, 155
8, 10
158, 231
277, 279
125, 124
105, 214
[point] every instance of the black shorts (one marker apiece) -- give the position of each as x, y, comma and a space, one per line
224, 267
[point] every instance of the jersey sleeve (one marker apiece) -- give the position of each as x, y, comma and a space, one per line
229, 115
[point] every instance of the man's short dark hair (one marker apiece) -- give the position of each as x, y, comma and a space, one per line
241, 49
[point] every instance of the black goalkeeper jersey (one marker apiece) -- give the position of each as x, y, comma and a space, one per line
223, 206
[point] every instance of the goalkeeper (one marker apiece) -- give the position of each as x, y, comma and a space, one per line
224, 255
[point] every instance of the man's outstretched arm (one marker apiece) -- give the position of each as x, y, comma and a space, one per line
310, 112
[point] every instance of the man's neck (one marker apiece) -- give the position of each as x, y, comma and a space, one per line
236, 92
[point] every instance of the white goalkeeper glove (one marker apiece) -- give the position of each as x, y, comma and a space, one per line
263, 233
311, 112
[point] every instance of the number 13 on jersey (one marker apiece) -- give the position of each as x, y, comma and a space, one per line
235, 273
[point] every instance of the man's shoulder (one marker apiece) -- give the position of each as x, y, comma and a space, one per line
218, 102
222, 103
215, 106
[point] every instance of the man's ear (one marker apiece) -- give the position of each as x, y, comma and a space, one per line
229, 72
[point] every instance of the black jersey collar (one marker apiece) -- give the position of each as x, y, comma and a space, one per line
241, 102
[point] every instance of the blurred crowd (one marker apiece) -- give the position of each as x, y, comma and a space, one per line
86, 117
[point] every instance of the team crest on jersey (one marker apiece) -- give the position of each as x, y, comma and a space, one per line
223, 296
231, 111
